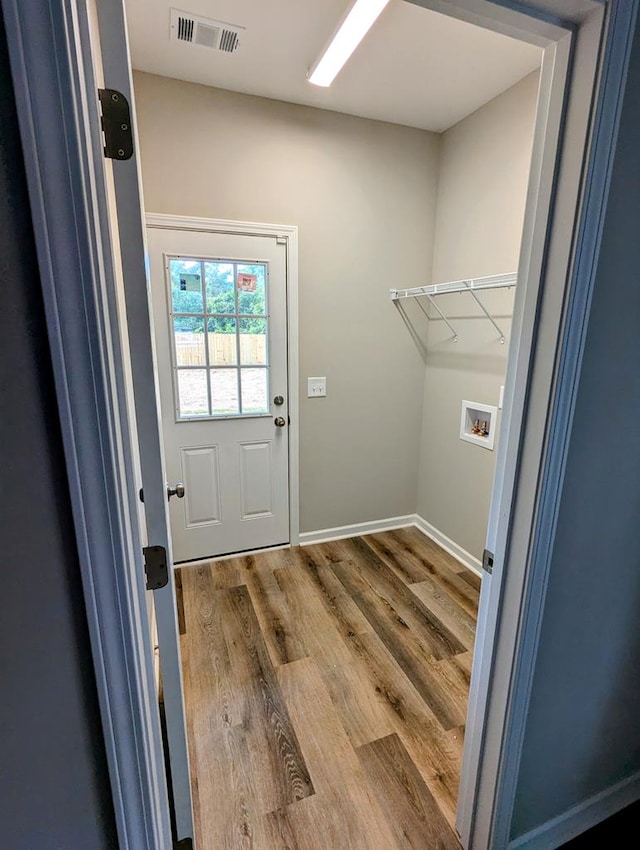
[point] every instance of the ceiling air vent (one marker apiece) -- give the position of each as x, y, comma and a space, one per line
216, 35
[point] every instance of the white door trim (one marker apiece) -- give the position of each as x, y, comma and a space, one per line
613, 41
541, 388
288, 235
474, 824
527, 475
107, 40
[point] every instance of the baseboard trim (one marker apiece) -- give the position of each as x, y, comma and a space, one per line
359, 529
326, 535
460, 554
580, 818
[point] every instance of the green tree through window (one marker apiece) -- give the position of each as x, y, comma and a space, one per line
219, 295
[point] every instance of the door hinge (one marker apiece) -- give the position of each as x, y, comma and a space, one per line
155, 567
116, 124
487, 561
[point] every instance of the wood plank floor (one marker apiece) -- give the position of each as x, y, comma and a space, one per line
326, 691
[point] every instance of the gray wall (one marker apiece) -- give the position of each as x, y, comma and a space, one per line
583, 733
483, 175
54, 790
363, 195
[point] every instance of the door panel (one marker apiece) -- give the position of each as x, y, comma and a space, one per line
219, 304
256, 480
201, 477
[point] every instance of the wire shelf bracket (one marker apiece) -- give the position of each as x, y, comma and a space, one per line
443, 317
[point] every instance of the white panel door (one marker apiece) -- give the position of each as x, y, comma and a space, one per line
220, 316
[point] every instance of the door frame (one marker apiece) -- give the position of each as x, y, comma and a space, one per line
52, 71
287, 235
540, 393
49, 46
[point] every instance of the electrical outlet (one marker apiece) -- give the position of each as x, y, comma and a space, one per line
316, 387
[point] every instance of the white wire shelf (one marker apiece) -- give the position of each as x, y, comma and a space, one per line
472, 285
496, 281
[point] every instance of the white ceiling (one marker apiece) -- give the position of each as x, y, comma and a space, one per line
415, 67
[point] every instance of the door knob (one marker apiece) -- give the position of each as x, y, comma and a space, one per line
280, 421
178, 491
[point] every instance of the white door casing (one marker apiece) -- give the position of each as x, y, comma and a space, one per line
218, 387
527, 485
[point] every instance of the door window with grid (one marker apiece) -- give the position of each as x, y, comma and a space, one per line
220, 337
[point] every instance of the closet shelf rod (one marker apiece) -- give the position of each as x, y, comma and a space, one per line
496, 281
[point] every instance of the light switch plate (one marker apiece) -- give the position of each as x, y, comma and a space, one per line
316, 387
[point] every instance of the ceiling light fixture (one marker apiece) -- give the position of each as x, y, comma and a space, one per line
356, 23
